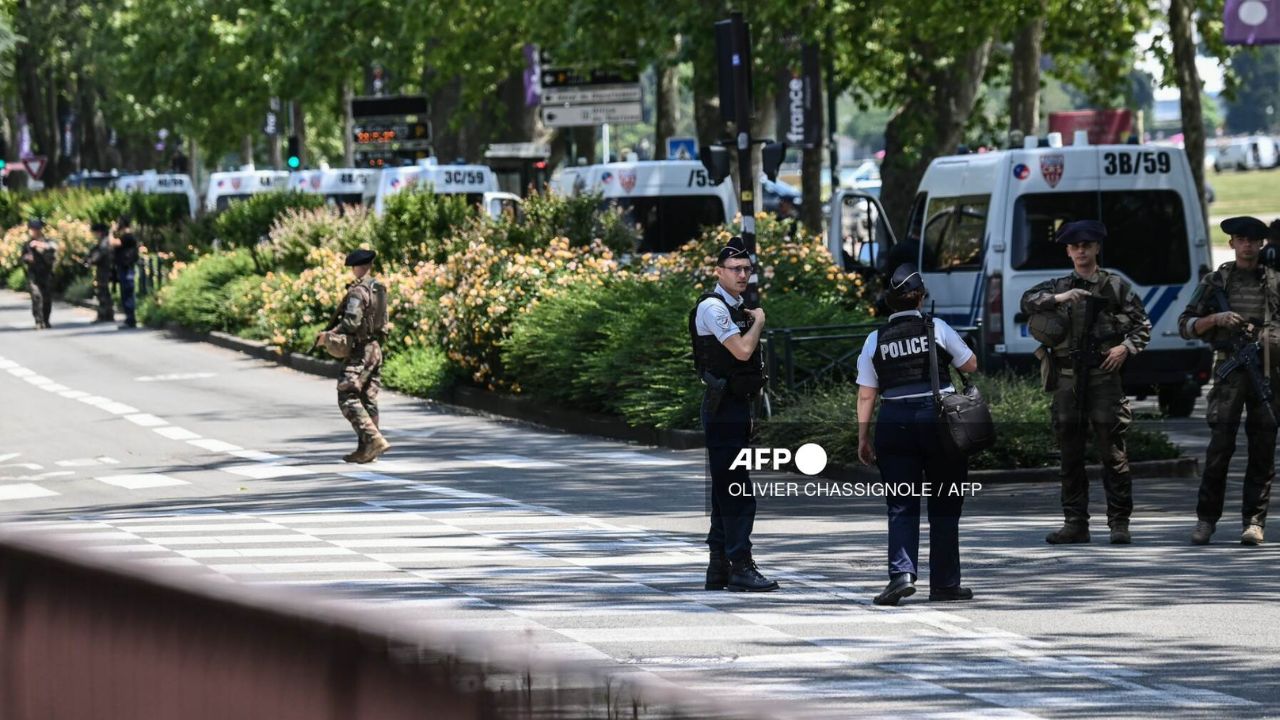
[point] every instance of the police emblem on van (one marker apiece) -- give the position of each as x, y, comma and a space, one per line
1051, 168
627, 179
235, 183
1021, 171
315, 182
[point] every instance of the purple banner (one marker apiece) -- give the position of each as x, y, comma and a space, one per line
532, 76
1251, 22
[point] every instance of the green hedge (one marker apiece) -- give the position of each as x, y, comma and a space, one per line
200, 297
1025, 439
421, 226
424, 372
247, 221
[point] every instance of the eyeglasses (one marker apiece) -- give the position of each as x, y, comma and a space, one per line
738, 269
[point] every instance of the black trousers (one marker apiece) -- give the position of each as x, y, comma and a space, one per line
733, 506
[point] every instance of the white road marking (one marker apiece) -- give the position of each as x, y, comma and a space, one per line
215, 445
22, 491
265, 552
146, 420
193, 527
294, 568
117, 408
635, 458
174, 432
26, 466
38, 380
181, 540
257, 455
78, 462
74, 394
141, 481
266, 471
8, 456
514, 462
19, 371
175, 376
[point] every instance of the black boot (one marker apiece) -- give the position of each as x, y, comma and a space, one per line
1072, 531
902, 585
747, 578
718, 571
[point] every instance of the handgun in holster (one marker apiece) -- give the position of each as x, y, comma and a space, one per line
716, 389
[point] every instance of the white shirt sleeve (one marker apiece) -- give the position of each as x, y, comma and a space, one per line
713, 319
951, 341
867, 376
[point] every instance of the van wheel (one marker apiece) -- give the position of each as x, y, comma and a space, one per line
1178, 400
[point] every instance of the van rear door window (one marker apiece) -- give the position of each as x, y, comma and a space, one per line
953, 233
665, 223
1146, 232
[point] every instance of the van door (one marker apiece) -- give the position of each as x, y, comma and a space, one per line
952, 237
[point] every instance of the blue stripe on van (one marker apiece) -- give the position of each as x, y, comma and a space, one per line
1150, 296
1162, 305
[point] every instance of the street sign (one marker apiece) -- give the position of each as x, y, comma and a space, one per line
682, 148
35, 166
580, 115
553, 77
592, 94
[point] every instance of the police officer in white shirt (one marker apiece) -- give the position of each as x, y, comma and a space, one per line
894, 367
726, 352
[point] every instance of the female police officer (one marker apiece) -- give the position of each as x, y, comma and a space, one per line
895, 364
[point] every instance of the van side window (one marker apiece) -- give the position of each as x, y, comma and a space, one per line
1146, 232
953, 233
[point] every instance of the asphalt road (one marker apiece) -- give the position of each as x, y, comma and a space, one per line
196, 458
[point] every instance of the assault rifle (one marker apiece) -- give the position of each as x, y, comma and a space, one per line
1244, 352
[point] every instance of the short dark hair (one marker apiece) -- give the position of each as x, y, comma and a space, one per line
898, 302
124, 220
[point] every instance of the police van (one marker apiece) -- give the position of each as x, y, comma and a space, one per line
339, 186
154, 183
473, 181
669, 201
982, 226
227, 187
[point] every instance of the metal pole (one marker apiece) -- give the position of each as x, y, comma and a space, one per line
742, 106
833, 148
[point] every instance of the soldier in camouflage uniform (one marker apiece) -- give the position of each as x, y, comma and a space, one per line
38, 256
358, 331
100, 260
1253, 299
1120, 329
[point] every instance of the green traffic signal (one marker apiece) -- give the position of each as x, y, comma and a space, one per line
294, 162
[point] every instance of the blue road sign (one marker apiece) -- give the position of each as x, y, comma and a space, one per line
682, 148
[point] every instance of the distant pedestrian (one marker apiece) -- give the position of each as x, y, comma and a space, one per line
101, 260
39, 254
125, 248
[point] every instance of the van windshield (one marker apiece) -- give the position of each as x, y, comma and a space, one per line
1146, 232
666, 222
225, 200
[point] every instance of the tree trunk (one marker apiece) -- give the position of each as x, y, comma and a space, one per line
706, 103
1182, 31
446, 98
273, 149
299, 127
27, 62
246, 150
811, 189
929, 126
1024, 83
666, 108
348, 127
90, 153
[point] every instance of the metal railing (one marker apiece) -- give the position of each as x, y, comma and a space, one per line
150, 275
801, 357
92, 636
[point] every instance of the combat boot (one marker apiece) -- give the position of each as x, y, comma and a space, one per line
718, 571
1120, 533
1252, 535
746, 577
377, 446
359, 453
1070, 532
1202, 533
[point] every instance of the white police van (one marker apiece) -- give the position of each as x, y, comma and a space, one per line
669, 201
339, 186
154, 183
227, 187
474, 181
982, 226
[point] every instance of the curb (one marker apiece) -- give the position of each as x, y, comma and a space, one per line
1183, 467
527, 409
511, 407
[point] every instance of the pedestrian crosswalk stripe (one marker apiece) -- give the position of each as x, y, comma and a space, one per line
265, 552
302, 567
24, 491
141, 481
266, 471
214, 445
514, 462
146, 420
174, 432
279, 539
238, 524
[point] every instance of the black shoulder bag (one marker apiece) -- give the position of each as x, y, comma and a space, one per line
964, 420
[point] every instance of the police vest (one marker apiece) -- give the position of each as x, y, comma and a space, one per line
902, 355
746, 378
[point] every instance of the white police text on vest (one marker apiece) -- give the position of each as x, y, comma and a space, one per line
903, 347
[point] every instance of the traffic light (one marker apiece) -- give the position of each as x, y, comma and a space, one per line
715, 158
294, 158
4, 152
